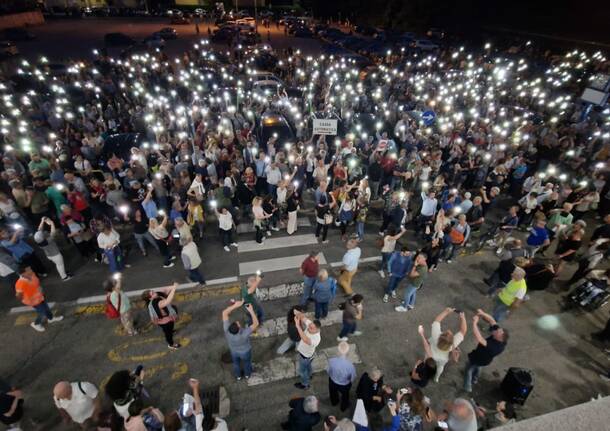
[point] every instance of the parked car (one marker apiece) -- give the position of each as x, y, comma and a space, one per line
179, 20
15, 34
273, 124
8, 49
168, 33
173, 12
224, 34
154, 41
366, 30
424, 45
303, 32
118, 39
436, 33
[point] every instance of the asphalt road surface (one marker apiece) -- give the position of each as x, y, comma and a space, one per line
88, 347
61, 39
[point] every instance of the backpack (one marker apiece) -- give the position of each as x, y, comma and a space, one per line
333, 287
111, 311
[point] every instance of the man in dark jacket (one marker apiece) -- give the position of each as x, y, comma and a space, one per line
304, 414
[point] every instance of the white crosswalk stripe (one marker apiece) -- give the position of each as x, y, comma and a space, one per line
248, 227
285, 367
279, 242
279, 326
276, 264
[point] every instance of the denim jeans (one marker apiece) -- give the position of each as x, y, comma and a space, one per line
347, 329
410, 295
393, 284
471, 375
308, 283
385, 257
305, 369
42, 311
227, 237
360, 229
244, 359
115, 259
195, 275
321, 310
141, 237
285, 346
500, 310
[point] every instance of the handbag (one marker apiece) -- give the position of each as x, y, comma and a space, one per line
112, 312
457, 237
328, 218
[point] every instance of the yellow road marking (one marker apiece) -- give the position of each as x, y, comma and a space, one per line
206, 292
183, 320
115, 355
178, 369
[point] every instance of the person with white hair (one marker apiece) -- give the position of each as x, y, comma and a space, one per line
77, 402
466, 203
304, 414
511, 296
341, 375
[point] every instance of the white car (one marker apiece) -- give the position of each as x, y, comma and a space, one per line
267, 87
265, 76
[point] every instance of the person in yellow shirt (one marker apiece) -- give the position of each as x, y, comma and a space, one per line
511, 296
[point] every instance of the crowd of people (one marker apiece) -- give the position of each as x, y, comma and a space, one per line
512, 160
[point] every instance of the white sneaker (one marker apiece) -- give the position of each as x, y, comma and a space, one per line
393, 294
341, 339
498, 251
268, 233
56, 319
386, 298
381, 273
234, 244
357, 333
275, 229
400, 309
226, 247
449, 260
38, 328
169, 266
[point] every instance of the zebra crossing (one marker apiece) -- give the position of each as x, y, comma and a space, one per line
284, 253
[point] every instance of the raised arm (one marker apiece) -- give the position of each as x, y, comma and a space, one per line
443, 314
487, 317
426, 344
170, 296
304, 338
463, 323
227, 311
476, 332
254, 324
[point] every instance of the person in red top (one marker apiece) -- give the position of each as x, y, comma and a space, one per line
309, 269
79, 202
29, 292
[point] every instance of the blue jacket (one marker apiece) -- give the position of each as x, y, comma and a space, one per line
399, 265
324, 291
